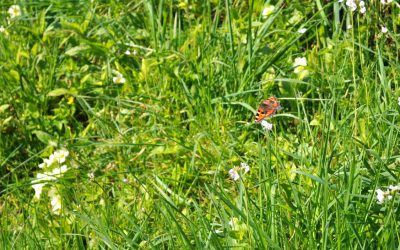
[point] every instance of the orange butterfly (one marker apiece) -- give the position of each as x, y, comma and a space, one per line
267, 108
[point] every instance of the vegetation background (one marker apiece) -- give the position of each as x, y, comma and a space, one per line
153, 102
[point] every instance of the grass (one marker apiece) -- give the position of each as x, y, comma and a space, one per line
149, 157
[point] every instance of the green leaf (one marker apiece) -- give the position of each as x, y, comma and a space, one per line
60, 91
4, 107
44, 137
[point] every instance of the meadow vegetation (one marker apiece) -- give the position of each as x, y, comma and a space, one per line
130, 124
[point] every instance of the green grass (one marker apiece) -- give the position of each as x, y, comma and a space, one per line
149, 158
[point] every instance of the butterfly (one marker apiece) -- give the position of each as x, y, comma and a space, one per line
267, 108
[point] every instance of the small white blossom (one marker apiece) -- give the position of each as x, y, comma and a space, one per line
55, 200
300, 61
302, 30
244, 166
349, 27
61, 155
38, 187
57, 172
91, 175
351, 4
233, 222
119, 78
48, 162
127, 52
268, 10
266, 125
363, 9
299, 65
386, 1
233, 173
14, 11
394, 188
384, 30
380, 195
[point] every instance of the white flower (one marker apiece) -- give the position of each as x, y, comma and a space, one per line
40, 181
55, 200
386, 1
42, 165
245, 167
351, 4
127, 52
384, 30
2, 29
394, 188
14, 11
363, 9
380, 196
349, 27
60, 155
57, 172
300, 61
119, 78
233, 173
302, 30
38, 189
268, 10
48, 162
233, 222
266, 125
91, 175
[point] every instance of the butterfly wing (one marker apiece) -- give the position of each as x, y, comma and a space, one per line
267, 108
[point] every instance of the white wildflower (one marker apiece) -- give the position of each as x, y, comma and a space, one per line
119, 78
300, 61
380, 195
233, 222
2, 29
38, 187
245, 167
14, 11
61, 155
266, 125
363, 9
302, 30
57, 172
384, 30
91, 176
268, 10
55, 200
394, 188
233, 173
386, 1
351, 4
